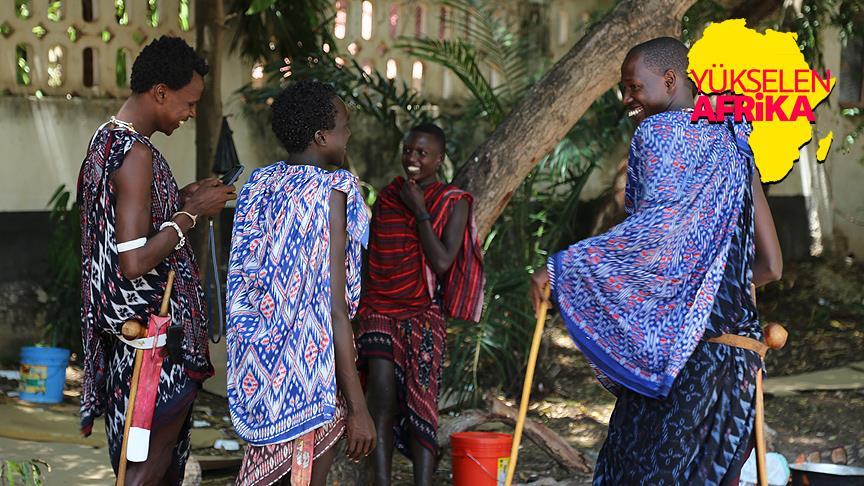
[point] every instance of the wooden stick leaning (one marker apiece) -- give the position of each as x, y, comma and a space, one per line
759, 423
526, 386
761, 468
775, 337
136, 330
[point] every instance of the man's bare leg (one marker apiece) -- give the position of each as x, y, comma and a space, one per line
163, 440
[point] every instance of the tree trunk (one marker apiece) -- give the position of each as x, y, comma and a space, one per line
558, 100
209, 30
209, 22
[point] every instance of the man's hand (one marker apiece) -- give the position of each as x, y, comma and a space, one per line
539, 282
412, 196
361, 434
188, 191
208, 198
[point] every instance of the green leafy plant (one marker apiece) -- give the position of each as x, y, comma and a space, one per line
63, 312
542, 216
489, 42
271, 30
25, 473
391, 104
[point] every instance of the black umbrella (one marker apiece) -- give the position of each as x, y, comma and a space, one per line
226, 153
224, 160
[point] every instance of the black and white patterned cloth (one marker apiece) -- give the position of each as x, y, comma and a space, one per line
108, 298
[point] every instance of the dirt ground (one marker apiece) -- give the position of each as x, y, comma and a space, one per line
821, 303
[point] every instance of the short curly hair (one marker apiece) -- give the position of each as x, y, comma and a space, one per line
434, 131
169, 61
662, 54
300, 110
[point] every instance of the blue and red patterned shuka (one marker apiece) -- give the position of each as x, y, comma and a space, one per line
640, 299
108, 299
281, 365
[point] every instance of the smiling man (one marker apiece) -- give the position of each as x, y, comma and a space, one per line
424, 264
661, 304
134, 227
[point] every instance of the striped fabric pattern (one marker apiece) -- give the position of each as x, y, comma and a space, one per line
400, 283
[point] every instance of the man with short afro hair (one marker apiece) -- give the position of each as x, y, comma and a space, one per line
167, 60
301, 110
662, 305
293, 286
135, 224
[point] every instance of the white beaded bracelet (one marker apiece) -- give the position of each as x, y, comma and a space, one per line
177, 229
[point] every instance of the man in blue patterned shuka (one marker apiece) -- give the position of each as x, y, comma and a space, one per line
652, 303
293, 286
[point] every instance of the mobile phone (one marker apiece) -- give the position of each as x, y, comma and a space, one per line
232, 175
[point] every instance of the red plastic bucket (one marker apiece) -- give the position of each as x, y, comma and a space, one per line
480, 458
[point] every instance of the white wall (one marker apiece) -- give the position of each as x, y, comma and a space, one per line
844, 170
44, 141
835, 186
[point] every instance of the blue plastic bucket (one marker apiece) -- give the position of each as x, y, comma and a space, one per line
43, 374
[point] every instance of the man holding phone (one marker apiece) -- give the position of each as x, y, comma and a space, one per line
134, 226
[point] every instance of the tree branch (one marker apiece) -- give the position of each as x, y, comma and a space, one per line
558, 100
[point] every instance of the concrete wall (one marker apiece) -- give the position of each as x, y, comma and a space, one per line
22, 268
44, 139
43, 142
828, 193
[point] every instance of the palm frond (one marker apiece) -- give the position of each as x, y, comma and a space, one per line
461, 59
497, 41
62, 316
275, 29
393, 104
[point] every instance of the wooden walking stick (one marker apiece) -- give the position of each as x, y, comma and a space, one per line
136, 372
775, 337
526, 386
761, 468
136, 330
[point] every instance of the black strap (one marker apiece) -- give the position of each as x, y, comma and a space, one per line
214, 282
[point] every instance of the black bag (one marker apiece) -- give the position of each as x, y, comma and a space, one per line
226, 152
224, 160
